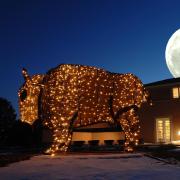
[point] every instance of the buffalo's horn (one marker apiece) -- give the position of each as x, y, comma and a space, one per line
25, 74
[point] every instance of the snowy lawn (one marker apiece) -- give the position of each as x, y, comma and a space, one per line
95, 166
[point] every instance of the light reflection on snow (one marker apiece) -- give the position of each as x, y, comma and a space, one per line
95, 166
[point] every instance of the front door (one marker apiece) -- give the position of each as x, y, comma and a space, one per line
163, 130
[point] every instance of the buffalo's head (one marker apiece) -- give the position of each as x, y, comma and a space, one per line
29, 97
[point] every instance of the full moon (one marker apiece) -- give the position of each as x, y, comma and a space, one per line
172, 54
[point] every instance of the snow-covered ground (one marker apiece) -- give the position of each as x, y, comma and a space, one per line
89, 167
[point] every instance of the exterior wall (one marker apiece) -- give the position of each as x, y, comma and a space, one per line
87, 136
147, 124
164, 106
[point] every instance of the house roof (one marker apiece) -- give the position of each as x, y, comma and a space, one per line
164, 82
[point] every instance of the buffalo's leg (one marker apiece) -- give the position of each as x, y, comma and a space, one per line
61, 139
130, 124
62, 135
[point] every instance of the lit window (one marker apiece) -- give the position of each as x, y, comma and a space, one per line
163, 130
176, 92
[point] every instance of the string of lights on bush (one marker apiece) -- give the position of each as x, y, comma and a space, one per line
71, 96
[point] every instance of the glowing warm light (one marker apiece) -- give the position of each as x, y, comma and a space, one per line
71, 96
176, 92
178, 133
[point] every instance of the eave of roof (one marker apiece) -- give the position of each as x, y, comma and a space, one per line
164, 82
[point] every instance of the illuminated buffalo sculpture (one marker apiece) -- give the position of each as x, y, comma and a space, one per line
71, 96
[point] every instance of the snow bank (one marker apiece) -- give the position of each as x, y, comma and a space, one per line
86, 167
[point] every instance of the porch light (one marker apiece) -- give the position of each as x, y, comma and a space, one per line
178, 133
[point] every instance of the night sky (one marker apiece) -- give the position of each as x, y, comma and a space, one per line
120, 36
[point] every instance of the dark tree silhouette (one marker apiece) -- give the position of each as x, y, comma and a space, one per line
20, 135
37, 129
7, 118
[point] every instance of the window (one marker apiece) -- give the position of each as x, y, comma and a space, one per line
176, 92
163, 130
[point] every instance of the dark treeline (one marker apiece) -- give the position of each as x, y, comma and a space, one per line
13, 132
